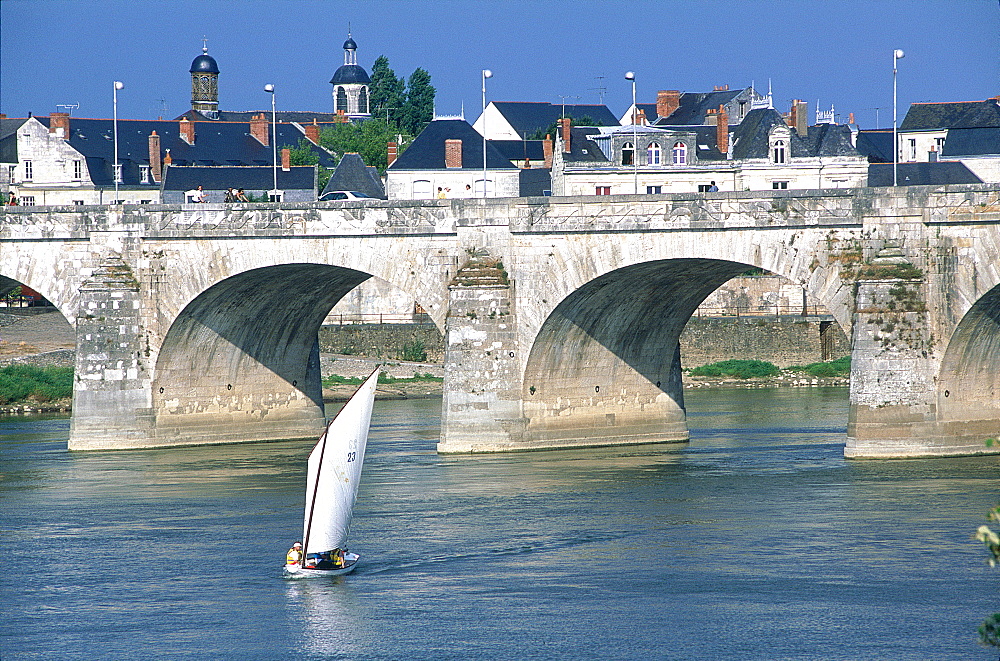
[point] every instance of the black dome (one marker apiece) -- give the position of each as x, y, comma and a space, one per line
350, 45
350, 74
204, 63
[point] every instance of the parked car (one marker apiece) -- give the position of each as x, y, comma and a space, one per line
344, 195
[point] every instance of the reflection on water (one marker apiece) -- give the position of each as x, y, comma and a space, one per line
755, 540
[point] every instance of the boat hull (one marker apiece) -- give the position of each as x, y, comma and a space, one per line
298, 571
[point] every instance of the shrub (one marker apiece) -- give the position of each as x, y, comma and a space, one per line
739, 369
413, 352
19, 383
839, 367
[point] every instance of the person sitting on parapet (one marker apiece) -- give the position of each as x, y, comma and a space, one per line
294, 555
241, 196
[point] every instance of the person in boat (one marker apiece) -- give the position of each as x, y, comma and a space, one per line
294, 555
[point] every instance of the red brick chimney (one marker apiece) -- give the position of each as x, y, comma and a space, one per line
566, 123
59, 124
312, 132
168, 159
341, 117
258, 129
667, 101
391, 151
155, 167
850, 118
547, 150
286, 159
640, 117
722, 130
798, 118
453, 153
187, 130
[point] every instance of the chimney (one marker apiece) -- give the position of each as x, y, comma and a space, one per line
640, 117
341, 117
59, 124
286, 159
155, 167
667, 101
312, 132
391, 151
453, 153
187, 130
547, 151
798, 118
566, 124
850, 118
258, 129
722, 88
168, 159
722, 130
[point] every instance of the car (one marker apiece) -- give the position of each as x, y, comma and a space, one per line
344, 195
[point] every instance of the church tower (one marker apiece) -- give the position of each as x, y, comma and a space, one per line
205, 84
350, 84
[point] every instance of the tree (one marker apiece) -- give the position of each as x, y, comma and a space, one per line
368, 138
989, 630
586, 120
419, 102
388, 94
305, 154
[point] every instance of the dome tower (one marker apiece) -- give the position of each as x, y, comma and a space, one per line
205, 84
350, 84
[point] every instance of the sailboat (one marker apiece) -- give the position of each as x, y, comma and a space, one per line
334, 470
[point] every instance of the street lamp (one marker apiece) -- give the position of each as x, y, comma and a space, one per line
896, 55
274, 140
118, 168
486, 74
630, 75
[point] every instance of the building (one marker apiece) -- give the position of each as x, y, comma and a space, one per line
674, 108
62, 160
350, 85
353, 175
446, 160
968, 132
519, 120
296, 183
764, 151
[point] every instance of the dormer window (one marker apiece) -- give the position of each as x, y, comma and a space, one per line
653, 153
679, 153
628, 154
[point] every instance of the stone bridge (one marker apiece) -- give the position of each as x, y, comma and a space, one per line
198, 323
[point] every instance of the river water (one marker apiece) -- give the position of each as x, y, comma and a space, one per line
755, 541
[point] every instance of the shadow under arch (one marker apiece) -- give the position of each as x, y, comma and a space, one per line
241, 360
605, 366
968, 397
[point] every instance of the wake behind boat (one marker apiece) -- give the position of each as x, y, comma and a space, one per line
334, 471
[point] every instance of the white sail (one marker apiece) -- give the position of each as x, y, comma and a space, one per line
334, 472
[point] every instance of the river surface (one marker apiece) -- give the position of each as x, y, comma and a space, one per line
755, 541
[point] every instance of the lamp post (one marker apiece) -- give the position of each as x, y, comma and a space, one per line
274, 140
896, 55
117, 173
630, 75
486, 74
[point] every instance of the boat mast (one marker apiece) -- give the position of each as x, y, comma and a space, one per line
312, 505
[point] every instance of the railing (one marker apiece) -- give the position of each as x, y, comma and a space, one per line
758, 311
378, 318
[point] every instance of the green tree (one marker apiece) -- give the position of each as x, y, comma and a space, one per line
419, 102
989, 630
585, 120
368, 138
388, 94
305, 154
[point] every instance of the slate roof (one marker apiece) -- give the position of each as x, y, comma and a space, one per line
922, 174
534, 182
8, 139
876, 145
750, 138
349, 74
426, 152
215, 143
300, 177
529, 117
963, 115
694, 107
582, 149
972, 142
298, 116
353, 175
518, 150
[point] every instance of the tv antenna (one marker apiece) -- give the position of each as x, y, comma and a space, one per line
70, 107
600, 89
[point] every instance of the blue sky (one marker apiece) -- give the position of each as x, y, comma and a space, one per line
56, 52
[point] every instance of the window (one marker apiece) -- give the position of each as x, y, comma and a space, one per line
679, 154
779, 185
653, 153
628, 154
28, 171
11, 171
27, 200
654, 190
78, 203
145, 201
913, 149
77, 170
144, 174
422, 189
703, 188
363, 101
939, 145
778, 151
341, 100
118, 172
602, 190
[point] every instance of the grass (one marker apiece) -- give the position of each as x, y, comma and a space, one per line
337, 380
755, 369
839, 367
24, 383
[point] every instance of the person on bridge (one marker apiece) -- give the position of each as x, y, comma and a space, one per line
294, 555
